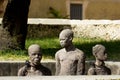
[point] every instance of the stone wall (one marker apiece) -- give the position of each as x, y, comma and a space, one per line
102, 9
92, 9
40, 8
103, 29
43, 31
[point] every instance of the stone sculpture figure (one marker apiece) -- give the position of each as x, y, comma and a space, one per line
69, 60
34, 67
99, 68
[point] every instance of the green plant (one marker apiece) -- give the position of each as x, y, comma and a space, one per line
56, 14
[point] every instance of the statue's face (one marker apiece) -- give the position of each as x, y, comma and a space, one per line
35, 57
65, 38
102, 55
64, 41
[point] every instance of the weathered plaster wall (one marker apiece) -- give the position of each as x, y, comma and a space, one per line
92, 9
102, 9
40, 8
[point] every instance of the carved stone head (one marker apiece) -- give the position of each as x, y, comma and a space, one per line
99, 52
66, 37
35, 54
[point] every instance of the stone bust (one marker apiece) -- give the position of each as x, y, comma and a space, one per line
99, 68
69, 60
34, 67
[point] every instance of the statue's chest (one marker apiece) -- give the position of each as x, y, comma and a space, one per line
68, 58
34, 73
101, 71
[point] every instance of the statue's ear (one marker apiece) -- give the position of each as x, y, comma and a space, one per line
94, 54
70, 38
94, 51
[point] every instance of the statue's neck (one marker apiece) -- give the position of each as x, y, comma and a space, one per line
35, 67
99, 63
70, 47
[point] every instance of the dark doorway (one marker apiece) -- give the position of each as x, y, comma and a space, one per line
76, 11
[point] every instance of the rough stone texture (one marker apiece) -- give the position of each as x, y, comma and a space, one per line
44, 30
105, 29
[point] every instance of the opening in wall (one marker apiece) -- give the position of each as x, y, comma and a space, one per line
76, 11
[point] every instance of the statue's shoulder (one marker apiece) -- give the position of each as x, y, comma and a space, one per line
61, 51
80, 52
92, 69
23, 70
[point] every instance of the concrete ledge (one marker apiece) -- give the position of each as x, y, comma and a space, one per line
100, 77
48, 21
8, 68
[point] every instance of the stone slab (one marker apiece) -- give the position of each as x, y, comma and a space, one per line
111, 77
10, 68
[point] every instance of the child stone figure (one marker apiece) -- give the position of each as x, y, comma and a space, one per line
33, 67
99, 68
69, 60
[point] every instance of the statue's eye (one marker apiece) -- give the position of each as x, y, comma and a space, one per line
33, 54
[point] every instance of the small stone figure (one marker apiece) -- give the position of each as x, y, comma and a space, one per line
33, 67
69, 60
99, 68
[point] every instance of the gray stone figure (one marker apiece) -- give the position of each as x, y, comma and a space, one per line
69, 60
33, 67
99, 68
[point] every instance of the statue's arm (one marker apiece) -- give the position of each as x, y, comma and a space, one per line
57, 64
91, 71
21, 71
81, 65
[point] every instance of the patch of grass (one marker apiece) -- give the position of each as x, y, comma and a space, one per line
51, 45
112, 47
13, 55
